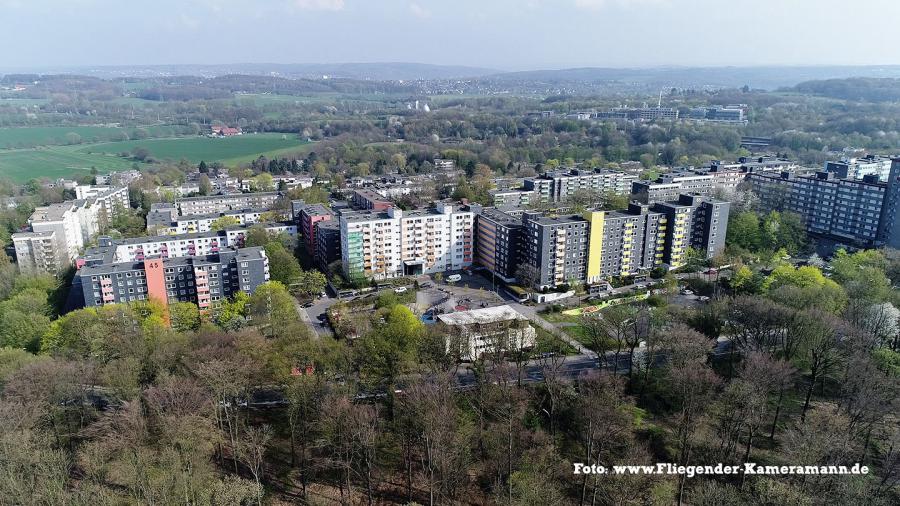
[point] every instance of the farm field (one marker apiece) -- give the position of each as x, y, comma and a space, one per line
20, 165
27, 137
227, 150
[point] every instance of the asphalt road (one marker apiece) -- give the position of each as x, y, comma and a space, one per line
311, 315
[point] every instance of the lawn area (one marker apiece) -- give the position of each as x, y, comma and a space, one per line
229, 150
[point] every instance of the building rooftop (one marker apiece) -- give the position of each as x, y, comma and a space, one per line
54, 212
484, 315
316, 210
558, 220
228, 196
215, 258
498, 216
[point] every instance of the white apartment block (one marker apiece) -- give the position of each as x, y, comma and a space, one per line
404, 243
222, 203
201, 222
38, 252
72, 224
186, 245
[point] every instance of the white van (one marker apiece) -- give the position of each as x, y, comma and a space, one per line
453, 278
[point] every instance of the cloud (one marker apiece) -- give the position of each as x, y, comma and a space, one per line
319, 5
419, 11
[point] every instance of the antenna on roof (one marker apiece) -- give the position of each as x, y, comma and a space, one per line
659, 103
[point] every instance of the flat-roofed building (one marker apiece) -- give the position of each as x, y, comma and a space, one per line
846, 210
492, 330
309, 215
395, 243
556, 247
39, 252
561, 185
498, 242
222, 203
204, 280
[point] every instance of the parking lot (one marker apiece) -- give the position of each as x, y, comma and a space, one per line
472, 291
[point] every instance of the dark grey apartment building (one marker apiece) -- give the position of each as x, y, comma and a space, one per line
845, 210
203, 280
498, 242
557, 247
632, 241
328, 243
695, 221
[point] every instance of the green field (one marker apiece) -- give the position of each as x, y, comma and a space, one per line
20, 165
28, 137
227, 150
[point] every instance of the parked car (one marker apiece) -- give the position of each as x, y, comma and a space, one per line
453, 278
400, 289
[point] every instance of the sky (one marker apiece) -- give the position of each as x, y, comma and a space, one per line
497, 34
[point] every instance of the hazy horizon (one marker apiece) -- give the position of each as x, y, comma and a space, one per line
505, 35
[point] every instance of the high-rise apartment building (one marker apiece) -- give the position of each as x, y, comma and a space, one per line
557, 247
308, 216
65, 227
204, 280
395, 243
603, 244
845, 210
498, 242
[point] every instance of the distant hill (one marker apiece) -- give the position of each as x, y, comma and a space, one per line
764, 77
862, 89
358, 71
771, 77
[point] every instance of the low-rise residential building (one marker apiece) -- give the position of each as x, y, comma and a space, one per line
493, 330
369, 200
562, 184
222, 203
